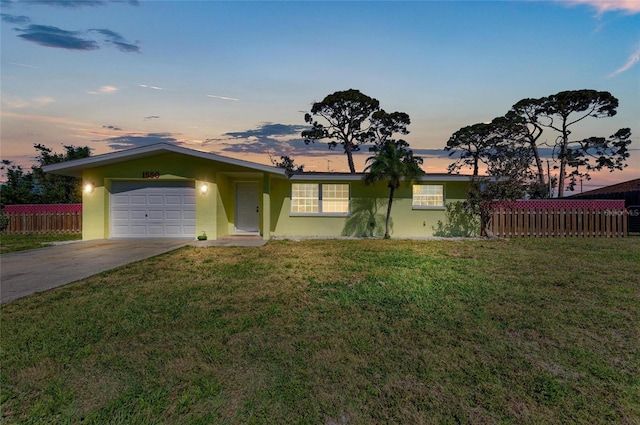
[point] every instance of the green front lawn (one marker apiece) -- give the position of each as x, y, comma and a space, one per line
336, 331
21, 242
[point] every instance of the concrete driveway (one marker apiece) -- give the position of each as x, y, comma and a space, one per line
26, 272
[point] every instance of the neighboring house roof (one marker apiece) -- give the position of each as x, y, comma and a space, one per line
627, 186
74, 168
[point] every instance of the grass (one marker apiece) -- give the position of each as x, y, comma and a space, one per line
336, 332
21, 242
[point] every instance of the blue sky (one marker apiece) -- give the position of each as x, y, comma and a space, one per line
236, 78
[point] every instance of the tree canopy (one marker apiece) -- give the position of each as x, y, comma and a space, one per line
37, 187
566, 108
513, 141
288, 163
509, 148
352, 119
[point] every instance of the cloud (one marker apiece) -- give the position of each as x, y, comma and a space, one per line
277, 139
117, 40
111, 127
432, 153
42, 101
150, 87
24, 65
133, 140
633, 59
222, 97
269, 130
151, 117
74, 4
16, 102
70, 4
604, 6
50, 36
13, 19
104, 90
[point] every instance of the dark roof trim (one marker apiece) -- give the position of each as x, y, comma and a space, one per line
358, 176
74, 168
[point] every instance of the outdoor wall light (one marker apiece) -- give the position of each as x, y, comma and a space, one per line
88, 187
204, 188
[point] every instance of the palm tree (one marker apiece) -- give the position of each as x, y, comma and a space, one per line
393, 163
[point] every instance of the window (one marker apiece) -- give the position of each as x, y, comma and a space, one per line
335, 198
428, 196
304, 198
314, 198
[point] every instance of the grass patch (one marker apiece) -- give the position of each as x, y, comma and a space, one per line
22, 242
320, 332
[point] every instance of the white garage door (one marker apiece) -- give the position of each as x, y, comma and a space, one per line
144, 209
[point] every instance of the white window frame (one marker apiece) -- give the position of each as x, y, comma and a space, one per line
417, 204
321, 198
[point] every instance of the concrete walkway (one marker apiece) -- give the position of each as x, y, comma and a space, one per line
23, 273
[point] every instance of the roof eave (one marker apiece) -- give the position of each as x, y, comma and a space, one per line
74, 168
359, 176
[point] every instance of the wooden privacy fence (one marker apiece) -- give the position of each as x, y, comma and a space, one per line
41, 218
559, 218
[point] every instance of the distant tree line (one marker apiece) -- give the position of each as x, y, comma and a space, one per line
36, 187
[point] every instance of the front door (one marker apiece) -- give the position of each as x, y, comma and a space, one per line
247, 208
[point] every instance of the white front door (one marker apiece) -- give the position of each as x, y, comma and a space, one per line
247, 208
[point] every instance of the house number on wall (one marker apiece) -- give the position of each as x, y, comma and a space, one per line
150, 174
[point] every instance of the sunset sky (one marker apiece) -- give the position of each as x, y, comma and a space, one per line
235, 78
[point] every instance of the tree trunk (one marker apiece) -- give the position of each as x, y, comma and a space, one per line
386, 223
347, 150
484, 221
563, 159
536, 156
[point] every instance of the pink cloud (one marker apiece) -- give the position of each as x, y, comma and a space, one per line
604, 6
633, 59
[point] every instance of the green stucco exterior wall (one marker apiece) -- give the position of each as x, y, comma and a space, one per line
368, 212
215, 208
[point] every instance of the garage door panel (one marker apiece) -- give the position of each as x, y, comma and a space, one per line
120, 230
138, 200
156, 230
173, 200
152, 209
155, 215
136, 215
138, 230
119, 199
173, 215
156, 200
173, 230
120, 215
